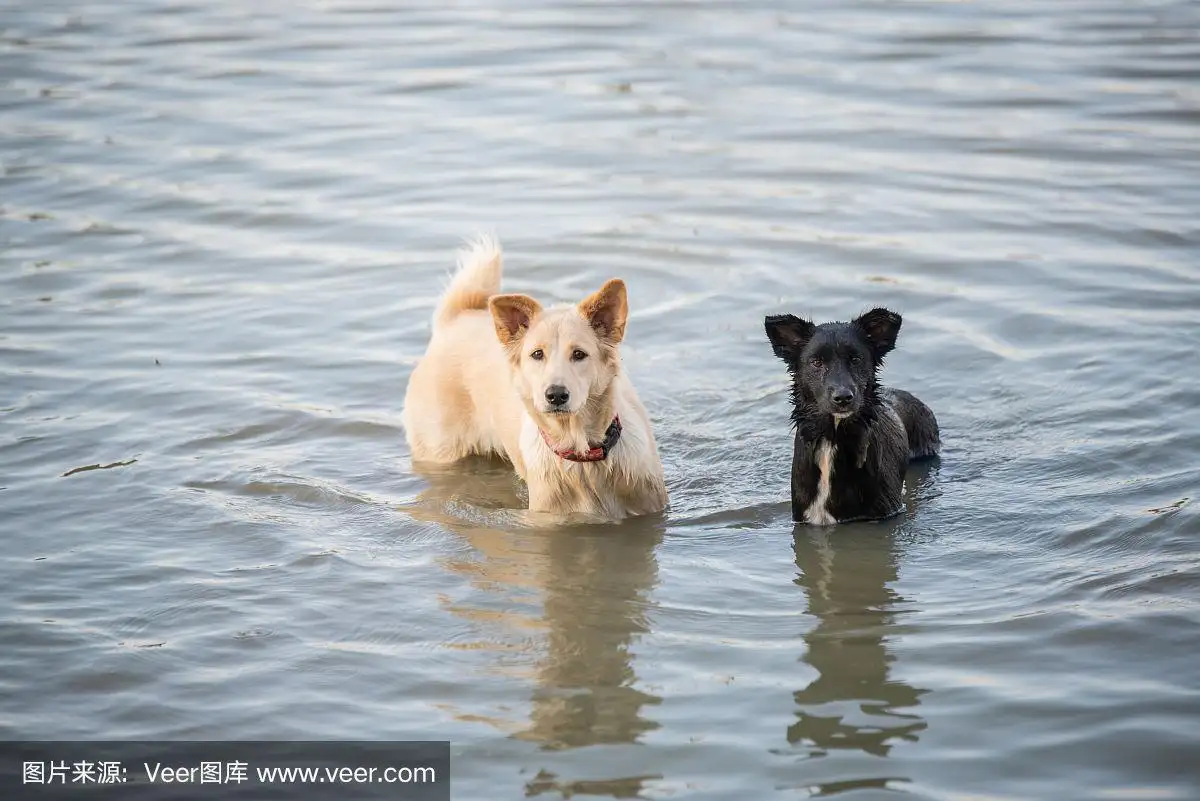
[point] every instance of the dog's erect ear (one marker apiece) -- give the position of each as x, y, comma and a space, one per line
512, 315
788, 334
607, 310
881, 327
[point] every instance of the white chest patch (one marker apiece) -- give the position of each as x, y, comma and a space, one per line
817, 513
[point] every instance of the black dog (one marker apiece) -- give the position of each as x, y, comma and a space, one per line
854, 439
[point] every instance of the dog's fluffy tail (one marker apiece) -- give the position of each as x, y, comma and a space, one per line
480, 265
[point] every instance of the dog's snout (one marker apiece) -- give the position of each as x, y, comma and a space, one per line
841, 396
557, 395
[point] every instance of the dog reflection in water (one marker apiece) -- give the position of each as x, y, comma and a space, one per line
855, 703
591, 583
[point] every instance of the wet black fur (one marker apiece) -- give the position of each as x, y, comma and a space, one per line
882, 430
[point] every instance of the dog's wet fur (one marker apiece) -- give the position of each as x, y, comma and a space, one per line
505, 376
854, 438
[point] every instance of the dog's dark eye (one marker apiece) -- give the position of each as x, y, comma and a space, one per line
855, 358
537, 355
815, 361
577, 355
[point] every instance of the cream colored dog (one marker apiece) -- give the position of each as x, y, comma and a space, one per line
542, 388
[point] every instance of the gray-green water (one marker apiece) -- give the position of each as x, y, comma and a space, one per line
222, 229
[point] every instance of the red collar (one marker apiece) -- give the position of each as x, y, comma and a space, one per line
595, 453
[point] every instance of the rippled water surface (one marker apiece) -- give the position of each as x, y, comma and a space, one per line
223, 226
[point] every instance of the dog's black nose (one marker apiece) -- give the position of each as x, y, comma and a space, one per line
841, 396
557, 395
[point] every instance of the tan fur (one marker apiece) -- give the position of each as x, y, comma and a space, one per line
817, 512
480, 390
